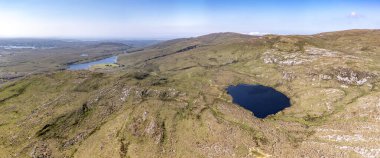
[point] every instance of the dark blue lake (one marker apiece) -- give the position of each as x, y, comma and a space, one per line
85, 66
261, 100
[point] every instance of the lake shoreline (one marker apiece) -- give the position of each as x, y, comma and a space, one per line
88, 65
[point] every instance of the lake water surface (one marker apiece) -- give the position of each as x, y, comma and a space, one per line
261, 100
85, 66
18, 47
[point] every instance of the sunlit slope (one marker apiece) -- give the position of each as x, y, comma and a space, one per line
170, 101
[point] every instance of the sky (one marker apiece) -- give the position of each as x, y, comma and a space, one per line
166, 19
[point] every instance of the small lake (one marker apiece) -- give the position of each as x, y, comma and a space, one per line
10, 47
261, 100
18, 47
86, 66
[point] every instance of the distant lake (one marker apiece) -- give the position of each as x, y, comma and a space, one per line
9, 47
86, 66
261, 100
18, 47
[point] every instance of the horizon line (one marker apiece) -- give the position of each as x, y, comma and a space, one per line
93, 39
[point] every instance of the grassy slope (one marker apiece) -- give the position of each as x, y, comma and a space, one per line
168, 102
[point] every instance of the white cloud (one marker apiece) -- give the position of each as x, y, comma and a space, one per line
354, 14
257, 33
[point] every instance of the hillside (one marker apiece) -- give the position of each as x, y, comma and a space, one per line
170, 100
17, 63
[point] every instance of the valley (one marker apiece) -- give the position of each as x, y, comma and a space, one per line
19, 62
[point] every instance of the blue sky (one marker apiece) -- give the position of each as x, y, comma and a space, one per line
163, 19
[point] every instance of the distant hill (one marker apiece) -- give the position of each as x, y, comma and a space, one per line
61, 43
109, 44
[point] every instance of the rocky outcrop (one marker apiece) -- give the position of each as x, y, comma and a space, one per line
352, 77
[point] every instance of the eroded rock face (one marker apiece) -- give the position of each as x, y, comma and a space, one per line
314, 51
352, 77
8, 76
288, 76
41, 150
78, 138
284, 58
165, 94
289, 58
295, 57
